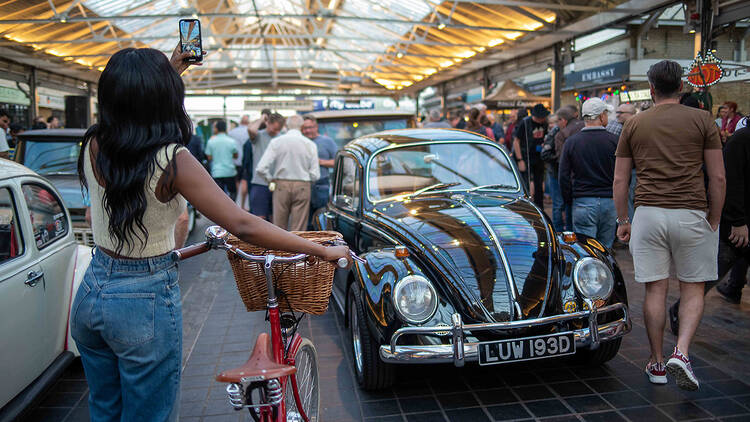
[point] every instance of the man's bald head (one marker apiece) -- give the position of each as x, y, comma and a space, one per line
245, 120
625, 112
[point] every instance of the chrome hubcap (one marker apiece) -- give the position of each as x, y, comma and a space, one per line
356, 341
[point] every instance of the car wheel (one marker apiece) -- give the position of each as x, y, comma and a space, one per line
606, 352
191, 219
372, 373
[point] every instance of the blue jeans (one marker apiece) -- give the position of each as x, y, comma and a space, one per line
560, 221
127, 323
595, 217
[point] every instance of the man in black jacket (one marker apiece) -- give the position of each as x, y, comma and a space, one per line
587, 168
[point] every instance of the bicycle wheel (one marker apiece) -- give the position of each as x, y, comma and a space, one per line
308, 384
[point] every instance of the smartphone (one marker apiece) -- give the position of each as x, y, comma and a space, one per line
191, 40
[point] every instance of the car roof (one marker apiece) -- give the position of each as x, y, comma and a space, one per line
361, 114
370, 144
9, 169
51, 134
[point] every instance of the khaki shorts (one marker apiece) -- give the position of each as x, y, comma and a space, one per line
661, 237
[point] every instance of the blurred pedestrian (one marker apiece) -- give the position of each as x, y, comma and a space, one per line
436, 121
510, 128
459, 122
729, 122
4, 134
195, 146
53, 122
240, 136
221, 151
721, 113
497, 128
127, 319
668, 146
474, 124
327, 149
39, 123
260, 197
486, 123
624, 113
527, 146
587, 167
14, 130
569, 124
291, 163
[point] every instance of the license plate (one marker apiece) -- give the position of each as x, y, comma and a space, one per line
529, 348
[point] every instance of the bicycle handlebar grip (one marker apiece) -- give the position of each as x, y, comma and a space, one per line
192, 250
342, 262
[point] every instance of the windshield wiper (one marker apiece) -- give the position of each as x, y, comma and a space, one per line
433, 187
494, 186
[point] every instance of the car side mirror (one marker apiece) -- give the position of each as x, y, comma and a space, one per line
343, 201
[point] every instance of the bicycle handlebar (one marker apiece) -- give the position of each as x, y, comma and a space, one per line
215, 239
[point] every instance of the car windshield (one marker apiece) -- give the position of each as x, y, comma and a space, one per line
343, 132
48, 158
439, 166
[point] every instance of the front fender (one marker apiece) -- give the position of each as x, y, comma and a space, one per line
376, 280
83, 259
588, 247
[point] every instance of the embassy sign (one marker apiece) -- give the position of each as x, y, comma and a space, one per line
614, 72
598, 75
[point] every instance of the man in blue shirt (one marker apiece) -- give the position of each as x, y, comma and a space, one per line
221, 151
327, 149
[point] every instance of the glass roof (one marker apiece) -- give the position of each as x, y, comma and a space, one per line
336, 44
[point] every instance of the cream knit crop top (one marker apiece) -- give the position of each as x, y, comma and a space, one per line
160, 218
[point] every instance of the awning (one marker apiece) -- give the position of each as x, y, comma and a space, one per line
509, 95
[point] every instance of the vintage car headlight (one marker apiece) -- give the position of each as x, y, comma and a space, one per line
593, 278
415, 299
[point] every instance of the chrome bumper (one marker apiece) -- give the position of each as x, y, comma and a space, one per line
460, 352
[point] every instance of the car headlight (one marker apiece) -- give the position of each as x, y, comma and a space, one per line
415, 299
593, 278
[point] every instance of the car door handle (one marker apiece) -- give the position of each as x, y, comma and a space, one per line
34, 278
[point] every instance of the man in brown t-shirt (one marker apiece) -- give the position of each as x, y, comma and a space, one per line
674, 222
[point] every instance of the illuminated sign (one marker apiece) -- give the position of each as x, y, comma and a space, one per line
705, 71
637, 95
301, 105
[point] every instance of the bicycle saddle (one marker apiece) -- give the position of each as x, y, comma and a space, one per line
259, 367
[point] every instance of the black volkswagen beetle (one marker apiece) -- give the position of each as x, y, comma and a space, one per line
461, 265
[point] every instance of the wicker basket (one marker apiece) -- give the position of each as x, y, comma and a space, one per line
300, 287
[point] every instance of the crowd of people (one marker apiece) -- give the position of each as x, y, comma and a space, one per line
670, 181
278, 168
11, 130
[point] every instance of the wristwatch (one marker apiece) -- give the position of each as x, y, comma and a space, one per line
621, 221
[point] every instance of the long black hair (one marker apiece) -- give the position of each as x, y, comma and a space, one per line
141, 109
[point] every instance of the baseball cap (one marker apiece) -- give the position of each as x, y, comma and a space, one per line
594, 107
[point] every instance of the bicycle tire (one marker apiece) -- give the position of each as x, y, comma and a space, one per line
308, 383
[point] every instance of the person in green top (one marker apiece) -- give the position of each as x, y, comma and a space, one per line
221, 150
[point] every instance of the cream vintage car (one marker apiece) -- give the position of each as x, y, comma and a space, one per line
41, 266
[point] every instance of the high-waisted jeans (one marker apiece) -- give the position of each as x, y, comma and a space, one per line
127, 323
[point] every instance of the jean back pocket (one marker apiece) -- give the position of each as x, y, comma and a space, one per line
128, 317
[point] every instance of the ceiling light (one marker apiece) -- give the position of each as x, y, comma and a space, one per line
418, 78
513, 35
496, 41
430, 71
318, 18
220, 50
101, 68
63, 19
244, 81
466, 54
481, 49
692, 31
406, 83
400, 55
441, 26
549, 68
447, 63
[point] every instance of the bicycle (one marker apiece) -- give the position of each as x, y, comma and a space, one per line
279, 363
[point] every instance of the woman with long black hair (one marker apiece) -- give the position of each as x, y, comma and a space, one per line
127, 320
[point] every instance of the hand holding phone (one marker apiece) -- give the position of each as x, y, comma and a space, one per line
191, 41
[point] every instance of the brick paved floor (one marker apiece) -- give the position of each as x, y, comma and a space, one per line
218, 335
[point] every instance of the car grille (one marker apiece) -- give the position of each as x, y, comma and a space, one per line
84, 236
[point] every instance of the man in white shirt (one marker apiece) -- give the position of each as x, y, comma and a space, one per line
290, 164
240, 136
4, 124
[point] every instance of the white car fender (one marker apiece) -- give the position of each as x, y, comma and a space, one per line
83, 259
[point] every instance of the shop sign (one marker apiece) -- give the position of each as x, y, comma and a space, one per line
52, 101
301, 105
705, 71
637, 95
13, 96
597, 75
